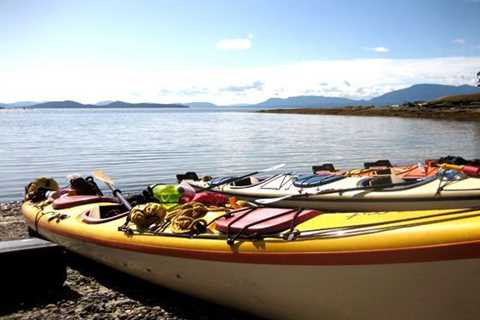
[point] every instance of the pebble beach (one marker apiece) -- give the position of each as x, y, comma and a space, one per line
455, 114
93, 291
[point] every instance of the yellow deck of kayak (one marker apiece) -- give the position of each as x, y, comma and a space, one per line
442, 227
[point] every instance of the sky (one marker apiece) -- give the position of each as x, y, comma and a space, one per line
232, 52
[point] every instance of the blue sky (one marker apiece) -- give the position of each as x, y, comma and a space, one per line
232, 51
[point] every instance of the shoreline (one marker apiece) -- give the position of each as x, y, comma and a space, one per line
454, 114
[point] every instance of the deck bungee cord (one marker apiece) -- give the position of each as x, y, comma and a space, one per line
346, 231
292, 234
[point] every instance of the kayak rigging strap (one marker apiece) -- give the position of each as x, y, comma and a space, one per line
369, 228
293, 234
40, 213
471, 189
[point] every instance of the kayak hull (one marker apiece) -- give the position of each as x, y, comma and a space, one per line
424, 290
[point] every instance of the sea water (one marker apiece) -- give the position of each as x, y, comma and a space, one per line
138, 147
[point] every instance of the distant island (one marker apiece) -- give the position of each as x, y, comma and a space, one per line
115, 104
412, 94
464, 107
418, 92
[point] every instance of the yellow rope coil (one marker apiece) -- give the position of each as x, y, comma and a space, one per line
145, 215
185, 218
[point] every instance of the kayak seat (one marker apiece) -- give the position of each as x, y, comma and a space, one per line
72, 201
397, 184
315, 180
260, 221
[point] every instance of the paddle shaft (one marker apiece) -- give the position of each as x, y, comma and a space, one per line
117, 193
100, 175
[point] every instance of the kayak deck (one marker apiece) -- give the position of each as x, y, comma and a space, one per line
323, 234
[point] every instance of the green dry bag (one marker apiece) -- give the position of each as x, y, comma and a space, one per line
166, 194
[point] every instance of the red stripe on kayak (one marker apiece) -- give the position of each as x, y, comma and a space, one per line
441, 252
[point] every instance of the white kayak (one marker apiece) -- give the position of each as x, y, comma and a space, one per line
446, 190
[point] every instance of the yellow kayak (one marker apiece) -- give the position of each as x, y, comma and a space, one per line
310, 265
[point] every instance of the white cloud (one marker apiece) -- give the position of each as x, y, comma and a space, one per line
257, 85
235, 44
379, 49
97, 82
458, 41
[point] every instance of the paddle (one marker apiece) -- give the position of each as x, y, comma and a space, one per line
330, 191
100, 175
235, 179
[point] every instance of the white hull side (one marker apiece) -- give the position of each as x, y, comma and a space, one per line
455, 194
430, 290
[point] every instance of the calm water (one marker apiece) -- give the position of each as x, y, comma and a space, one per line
140, 147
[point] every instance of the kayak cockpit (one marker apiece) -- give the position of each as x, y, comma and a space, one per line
388, 183
242, 183
315, 180
104, 213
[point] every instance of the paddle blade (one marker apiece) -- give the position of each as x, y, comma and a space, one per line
100, 175
278, 166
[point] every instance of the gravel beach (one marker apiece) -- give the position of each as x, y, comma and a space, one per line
93, 291
457, 114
